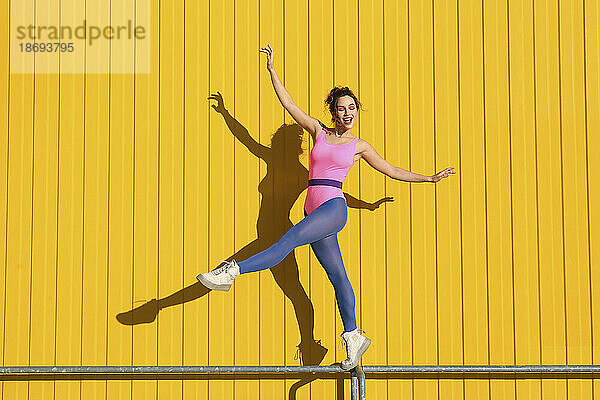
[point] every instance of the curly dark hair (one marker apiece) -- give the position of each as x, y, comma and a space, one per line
335, 94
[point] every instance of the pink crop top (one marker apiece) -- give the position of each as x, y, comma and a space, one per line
331, 161
328, 161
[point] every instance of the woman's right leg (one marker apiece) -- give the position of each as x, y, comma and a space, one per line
328, 219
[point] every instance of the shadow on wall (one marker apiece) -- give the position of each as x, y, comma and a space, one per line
285, 180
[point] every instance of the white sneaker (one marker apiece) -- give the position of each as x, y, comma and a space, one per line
356, 345
220, 278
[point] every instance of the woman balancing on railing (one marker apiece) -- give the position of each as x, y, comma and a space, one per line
335, 151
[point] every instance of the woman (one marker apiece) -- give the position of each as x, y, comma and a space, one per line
325, 212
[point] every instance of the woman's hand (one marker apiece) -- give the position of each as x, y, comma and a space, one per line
269, 52
220, 107
443, 174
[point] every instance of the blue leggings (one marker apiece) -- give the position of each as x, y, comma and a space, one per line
319, 228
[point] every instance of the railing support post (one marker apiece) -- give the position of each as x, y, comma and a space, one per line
362, 383
353, 384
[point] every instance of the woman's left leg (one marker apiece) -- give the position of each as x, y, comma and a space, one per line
328, 253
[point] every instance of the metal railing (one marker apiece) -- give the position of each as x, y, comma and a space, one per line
357, 375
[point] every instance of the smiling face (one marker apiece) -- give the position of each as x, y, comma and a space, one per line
345, 112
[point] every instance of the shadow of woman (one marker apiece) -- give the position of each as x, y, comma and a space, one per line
285, 180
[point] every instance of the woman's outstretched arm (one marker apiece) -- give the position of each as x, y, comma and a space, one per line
307, 122
376, 161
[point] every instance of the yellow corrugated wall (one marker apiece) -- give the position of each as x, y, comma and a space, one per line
117, 189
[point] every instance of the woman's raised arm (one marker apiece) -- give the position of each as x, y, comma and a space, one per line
307, 122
